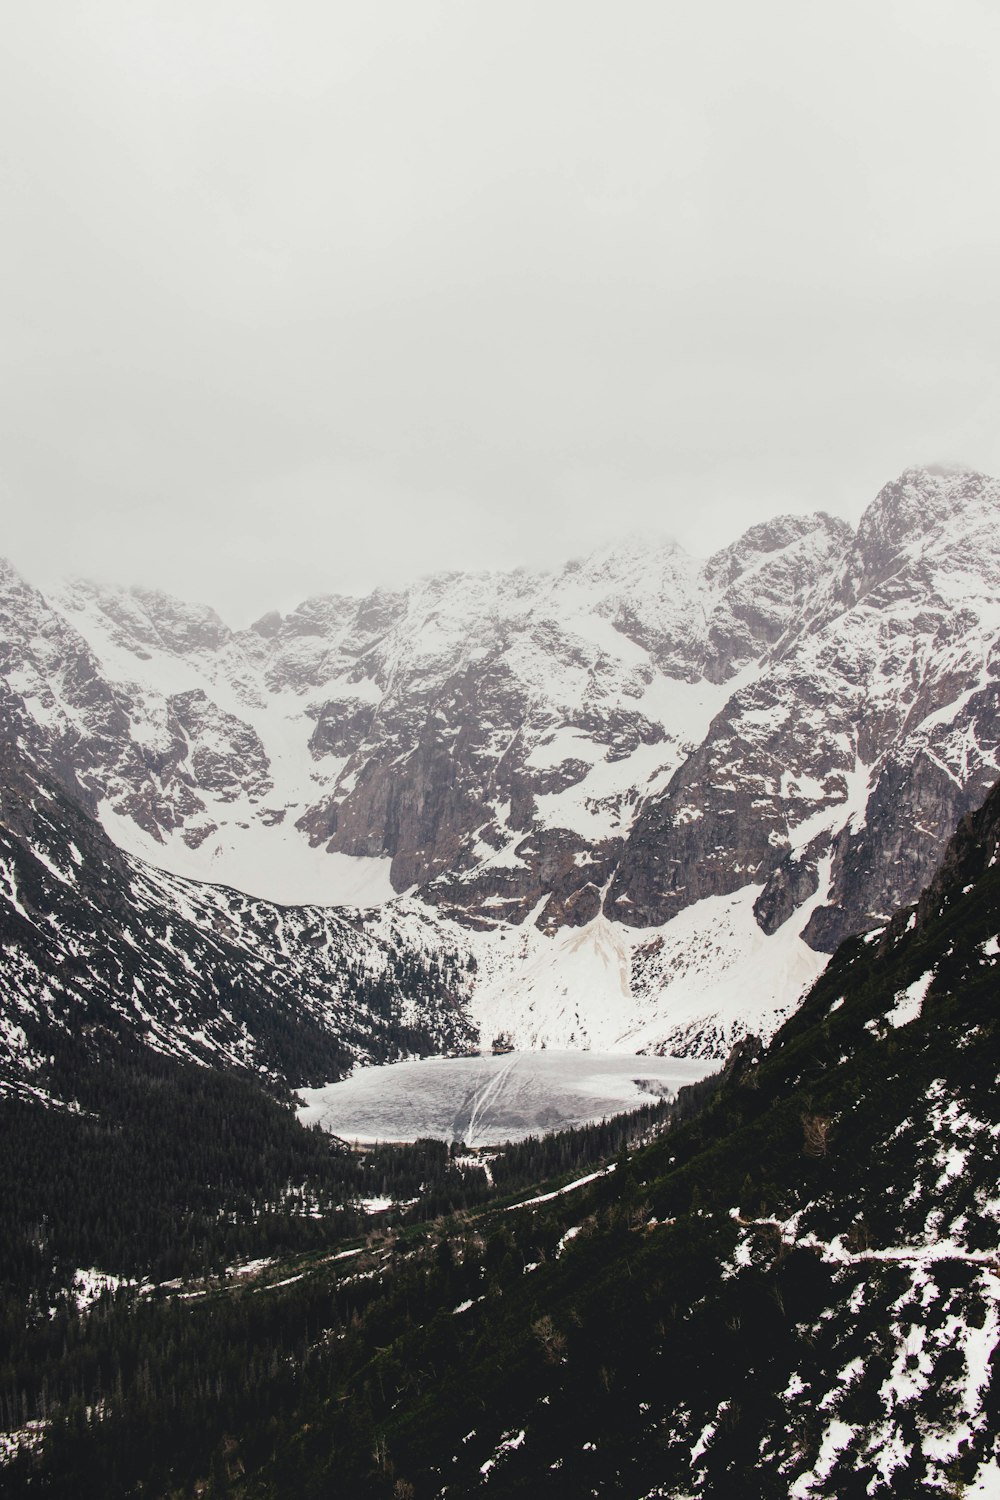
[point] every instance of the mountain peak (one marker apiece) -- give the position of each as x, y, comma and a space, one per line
767, 537
921, 504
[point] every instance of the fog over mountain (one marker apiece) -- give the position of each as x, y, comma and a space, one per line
324, 300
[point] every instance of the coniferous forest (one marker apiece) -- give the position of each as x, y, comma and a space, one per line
809, 1239
172, 1178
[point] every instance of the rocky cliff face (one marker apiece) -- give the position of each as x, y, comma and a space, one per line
487, 735
100, 953
769, 744
870, 728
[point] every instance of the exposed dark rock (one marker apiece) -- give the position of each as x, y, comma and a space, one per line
789, 886
268, 625
341, 727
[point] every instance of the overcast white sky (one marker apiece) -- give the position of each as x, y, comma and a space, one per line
310, 296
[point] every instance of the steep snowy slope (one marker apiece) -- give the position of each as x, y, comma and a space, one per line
690, 988
100, 954
871, 727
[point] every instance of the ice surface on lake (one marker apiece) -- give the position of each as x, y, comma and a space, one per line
485, 1100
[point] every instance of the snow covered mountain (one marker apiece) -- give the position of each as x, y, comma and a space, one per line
646, 793
867, 731
427, 731
101, 955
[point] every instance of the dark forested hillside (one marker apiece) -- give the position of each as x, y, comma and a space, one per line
169, 1186
100, 954
793, 1293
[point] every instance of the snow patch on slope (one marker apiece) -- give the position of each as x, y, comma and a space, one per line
273, 864
691, 987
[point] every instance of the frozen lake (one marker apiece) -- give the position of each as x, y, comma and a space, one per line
486, 1100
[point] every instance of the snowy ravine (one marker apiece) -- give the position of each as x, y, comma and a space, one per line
643, 796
